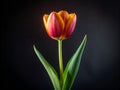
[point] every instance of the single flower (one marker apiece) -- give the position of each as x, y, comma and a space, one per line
59, 25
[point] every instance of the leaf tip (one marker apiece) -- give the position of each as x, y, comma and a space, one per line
85, 36
34, 48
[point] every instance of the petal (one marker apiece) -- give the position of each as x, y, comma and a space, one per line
55, 25
45, 18
70, 25
64, 15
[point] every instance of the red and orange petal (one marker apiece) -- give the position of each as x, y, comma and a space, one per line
45, 17
64, 15
55, 25
70, 25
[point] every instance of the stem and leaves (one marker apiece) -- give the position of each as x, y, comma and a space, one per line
67, 76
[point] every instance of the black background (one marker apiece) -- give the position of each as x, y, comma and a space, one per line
22, 27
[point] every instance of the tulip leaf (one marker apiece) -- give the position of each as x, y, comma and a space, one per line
50, 70
72, 66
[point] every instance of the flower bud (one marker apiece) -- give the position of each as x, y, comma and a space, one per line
59, 26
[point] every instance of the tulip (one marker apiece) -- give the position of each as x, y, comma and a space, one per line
59, 25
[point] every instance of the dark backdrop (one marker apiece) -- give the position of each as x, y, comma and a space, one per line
23, 26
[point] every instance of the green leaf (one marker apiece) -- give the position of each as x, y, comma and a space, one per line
72, 67
50, 70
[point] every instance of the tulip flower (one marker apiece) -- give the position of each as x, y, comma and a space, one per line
59, 26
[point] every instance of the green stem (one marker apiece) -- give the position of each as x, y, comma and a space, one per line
60, 61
